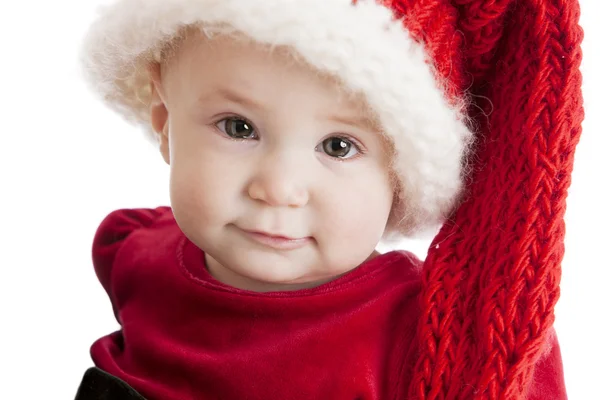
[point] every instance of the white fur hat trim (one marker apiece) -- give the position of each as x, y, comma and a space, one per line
361, 44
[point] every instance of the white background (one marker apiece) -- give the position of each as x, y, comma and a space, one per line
66, 161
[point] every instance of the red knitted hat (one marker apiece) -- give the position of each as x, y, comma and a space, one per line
438, 73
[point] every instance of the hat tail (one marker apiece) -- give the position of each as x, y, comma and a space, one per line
492, 274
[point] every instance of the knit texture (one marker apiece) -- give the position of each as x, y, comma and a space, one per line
492, 274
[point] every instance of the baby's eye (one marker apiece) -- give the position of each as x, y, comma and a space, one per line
236, 128
338, 147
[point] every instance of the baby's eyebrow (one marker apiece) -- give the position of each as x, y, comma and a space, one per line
230, 95
360, 120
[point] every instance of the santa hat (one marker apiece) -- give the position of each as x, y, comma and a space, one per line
434, 71
419, 105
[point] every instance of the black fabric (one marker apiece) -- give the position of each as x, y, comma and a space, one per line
99, 385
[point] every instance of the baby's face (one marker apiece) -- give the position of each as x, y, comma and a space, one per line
257, 142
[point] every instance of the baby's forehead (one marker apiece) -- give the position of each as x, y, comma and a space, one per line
227, 62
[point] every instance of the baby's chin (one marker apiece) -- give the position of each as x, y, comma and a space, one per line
267, 272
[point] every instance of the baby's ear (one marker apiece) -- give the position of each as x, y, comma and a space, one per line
159, 114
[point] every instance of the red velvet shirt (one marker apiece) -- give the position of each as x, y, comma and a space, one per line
187, 336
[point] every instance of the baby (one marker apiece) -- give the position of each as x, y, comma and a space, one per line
299, 135
278, 174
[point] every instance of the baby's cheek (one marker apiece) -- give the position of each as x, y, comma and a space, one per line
348, 229
191, 195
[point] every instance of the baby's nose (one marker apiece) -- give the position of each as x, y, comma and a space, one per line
279, 182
